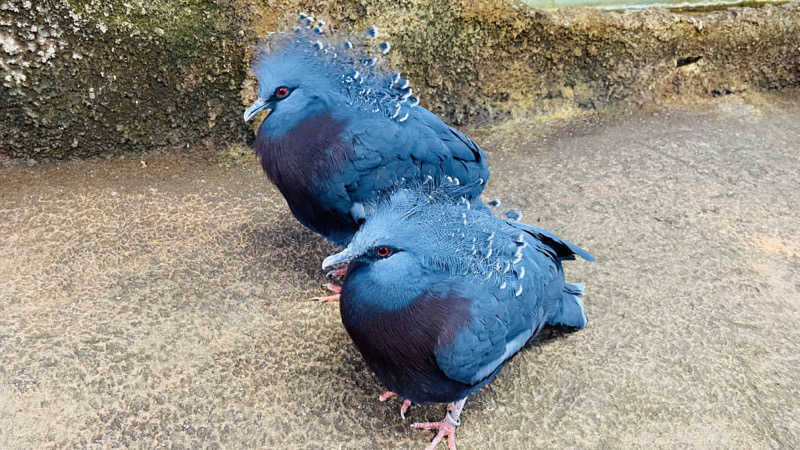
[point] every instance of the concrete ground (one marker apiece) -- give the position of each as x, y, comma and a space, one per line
163, 300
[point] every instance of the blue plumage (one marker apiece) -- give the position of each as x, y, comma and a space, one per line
440, 295
340, 129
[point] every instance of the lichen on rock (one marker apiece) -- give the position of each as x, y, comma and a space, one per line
478, 60
92, 77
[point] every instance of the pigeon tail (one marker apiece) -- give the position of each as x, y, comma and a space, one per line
571, 312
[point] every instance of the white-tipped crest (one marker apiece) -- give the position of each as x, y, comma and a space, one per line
355, 62
469, 242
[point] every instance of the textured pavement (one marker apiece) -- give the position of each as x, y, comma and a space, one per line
163, 300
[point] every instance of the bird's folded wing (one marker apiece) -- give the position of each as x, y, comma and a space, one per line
463, 153
385, 151
479, 347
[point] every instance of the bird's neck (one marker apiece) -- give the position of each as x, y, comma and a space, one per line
364, 292
283, 122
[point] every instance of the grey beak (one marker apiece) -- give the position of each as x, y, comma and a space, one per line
255, 108
338, 258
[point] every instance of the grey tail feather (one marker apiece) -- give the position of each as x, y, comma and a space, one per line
575, 288
571, 312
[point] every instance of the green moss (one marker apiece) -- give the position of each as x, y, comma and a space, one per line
92, 77
125, 78
478, 60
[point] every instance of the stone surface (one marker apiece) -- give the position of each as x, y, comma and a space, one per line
162, 300
90, 77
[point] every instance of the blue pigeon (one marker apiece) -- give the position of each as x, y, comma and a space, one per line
439, 296
340, 129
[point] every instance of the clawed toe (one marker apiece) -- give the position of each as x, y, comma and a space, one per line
327, 299
444, 429
333, 288
330, 298
336, 273
386, 396
403, 409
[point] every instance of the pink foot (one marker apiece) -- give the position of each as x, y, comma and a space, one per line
330, 298
386, 396
333, 288
446, 428
338, 272
443, 429
403, 409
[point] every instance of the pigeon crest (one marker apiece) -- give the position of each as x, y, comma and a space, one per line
355, 64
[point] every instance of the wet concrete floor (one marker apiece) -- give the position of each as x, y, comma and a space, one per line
163, 300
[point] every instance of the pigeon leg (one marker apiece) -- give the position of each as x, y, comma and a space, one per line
404, 408
330, 298
333, 260
406, 403
333, 288
386, 396
446, 427
336, 273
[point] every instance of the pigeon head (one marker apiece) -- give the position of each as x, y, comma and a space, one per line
306, 72
408, 235
385, 247
293, 84
383, 265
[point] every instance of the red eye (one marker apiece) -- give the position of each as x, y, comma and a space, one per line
281, 92
383, 252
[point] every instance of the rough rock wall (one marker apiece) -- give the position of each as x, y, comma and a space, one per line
487, 59
89, 77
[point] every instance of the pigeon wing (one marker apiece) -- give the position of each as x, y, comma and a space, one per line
477, 350
386, 151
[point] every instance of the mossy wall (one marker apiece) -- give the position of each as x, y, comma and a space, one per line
488, 59
89, 77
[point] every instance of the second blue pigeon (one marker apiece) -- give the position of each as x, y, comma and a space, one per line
439, 295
